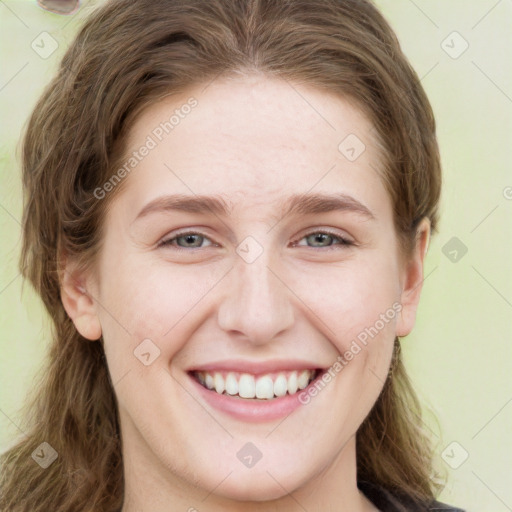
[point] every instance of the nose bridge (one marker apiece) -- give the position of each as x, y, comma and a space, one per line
258, 283
257, 303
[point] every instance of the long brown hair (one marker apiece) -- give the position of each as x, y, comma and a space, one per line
128, 55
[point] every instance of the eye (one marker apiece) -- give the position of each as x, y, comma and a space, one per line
191, 240
321, 239
195, 240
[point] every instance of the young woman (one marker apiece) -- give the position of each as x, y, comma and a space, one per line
228, 208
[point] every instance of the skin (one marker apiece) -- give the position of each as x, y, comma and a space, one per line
254, 141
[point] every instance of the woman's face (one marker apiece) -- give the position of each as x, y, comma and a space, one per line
251, 247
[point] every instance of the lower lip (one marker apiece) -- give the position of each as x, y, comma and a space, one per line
253, 410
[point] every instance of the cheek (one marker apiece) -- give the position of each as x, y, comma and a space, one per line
356, 306
354, 299
155, 302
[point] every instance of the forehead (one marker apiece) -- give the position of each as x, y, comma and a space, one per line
253, 140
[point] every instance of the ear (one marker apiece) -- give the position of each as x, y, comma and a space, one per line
412, 279
79, 305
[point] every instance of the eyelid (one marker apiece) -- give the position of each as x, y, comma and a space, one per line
343, 239
171, 237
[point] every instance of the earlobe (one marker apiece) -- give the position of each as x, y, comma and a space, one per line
413, 280
79, 305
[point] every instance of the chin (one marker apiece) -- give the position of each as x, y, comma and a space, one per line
254, 488
274, 477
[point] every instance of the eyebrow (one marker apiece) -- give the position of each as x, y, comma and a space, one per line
298, 204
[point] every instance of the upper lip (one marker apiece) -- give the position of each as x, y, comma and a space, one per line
256, 367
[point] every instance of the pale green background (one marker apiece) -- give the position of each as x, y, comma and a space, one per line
459, 353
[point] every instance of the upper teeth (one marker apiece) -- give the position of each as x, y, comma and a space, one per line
248, 386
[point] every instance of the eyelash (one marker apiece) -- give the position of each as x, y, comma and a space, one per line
344, 242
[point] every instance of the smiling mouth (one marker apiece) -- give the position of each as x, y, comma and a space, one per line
262, 387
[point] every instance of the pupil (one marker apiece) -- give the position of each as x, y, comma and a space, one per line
321, 237
191, 239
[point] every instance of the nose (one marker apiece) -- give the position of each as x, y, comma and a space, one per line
256, 305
